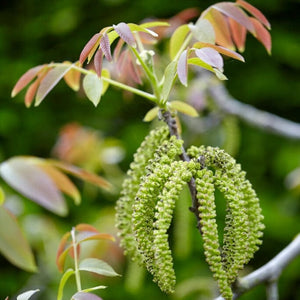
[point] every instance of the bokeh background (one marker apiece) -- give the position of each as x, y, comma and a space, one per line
34, 32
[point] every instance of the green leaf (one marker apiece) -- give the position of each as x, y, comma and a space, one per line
95, 288
169, 77
63, 281
134, 27
93, 86
2, 196
27, 295
13, 244
203, 31
33, 182
177, 39
200, 63
151, 114
50, 81
97, 266
219, 74
154, 24
184, 108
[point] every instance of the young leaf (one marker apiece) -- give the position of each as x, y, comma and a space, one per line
177, 39
88, 47
13, 244
200, 63
95, 288
210, 56
169, 77
98, 60
62, 182
86, 227
262, 34
31, 91
203, 31
25, 79
220, 49
239, 33
105, 46
125, 33
82, 174
151, 114
33, 182
255, 12
138, 28
221, 28
97, 266
184, 108
105, 74
88, 236
154, 24
2, 196
62, 283
92, 86
27, 295
182, 68
220, 74
60, 256
72, 78
85, 296
232, 11
49, 82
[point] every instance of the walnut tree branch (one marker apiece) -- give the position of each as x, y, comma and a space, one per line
251, 115
173, 128
269, 273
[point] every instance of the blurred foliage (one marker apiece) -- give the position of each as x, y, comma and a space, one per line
33, 32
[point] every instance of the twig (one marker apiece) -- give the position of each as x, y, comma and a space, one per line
171, 122
269, 273
251, 115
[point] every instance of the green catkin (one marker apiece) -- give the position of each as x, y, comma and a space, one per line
131, 185
207, 213
243, 221
163, 271
159, 171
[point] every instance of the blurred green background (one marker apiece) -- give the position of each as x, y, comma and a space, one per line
34, 32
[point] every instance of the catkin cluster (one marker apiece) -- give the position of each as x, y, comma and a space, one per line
145, 209
243, 221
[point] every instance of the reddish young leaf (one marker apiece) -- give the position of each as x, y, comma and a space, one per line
98, 59
182, 68
50, 81
134, 72
239, 33
211, 57
125, 33
60, 261
105, 46
221, 27
86, 227
25, 79
82, 174
88, 47
62, 182
88, 235
220, 49
262, 34
30, 93
255, 12
72, 78
117, 49
232, 11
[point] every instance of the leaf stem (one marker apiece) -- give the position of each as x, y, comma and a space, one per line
77, 272
115, 83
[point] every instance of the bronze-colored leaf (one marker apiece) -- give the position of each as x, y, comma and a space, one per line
255, 12
98, 59
262, 34
72, 78
239, 33
105, 46
25, 79
95, 39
